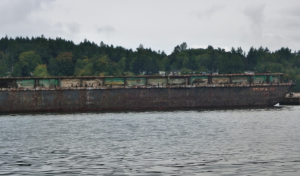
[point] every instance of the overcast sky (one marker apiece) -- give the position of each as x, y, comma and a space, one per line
158, 24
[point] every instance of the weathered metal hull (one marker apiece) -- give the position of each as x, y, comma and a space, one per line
146, 98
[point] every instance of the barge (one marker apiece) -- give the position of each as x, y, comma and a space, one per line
96, 93
291, 99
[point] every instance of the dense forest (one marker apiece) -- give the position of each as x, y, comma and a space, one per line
40, 56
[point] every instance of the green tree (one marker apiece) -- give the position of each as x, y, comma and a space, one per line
183, 47
114, 69
186, 71
122, 64
28, 61
166, 63
41, 71
270, 67
17, 72
65, 63
3, 67
160, 64
102, 64
230, 63
53, 67
202, 61
84, 67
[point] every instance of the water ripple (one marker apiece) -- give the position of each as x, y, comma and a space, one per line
205, 142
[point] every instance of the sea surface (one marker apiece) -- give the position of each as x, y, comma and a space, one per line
196, 142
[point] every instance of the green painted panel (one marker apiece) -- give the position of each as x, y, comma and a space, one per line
25, 82
48, 82
114, 81
136, 81
199, 79
259, 79
240, 79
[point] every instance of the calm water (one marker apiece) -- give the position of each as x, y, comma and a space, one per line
206, 142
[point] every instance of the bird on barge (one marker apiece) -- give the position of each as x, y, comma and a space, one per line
109, 93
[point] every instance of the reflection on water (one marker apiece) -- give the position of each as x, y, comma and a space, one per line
206, 142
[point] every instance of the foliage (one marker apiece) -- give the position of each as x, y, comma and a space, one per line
27, 63
3, 66
61, 57
40, 71
53, 67
186, 71
65, 63
270, 67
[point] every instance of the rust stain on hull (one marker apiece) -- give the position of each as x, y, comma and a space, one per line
108, 99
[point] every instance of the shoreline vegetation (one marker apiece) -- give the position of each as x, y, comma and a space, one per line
42, 57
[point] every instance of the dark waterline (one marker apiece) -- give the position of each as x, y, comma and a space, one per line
260, 141
140, 110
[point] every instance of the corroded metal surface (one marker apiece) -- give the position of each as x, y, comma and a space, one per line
199, 80
157, 81
25, 83
177, 81
240, 79
89, 93
136, 81
70, 82
260, 79
275, 79
219, 79
291, 99
50, 83
92, 82
143, 76
103, 98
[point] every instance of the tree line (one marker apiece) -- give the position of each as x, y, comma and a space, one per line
40, 56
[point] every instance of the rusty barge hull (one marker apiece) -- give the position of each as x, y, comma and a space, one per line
140, 98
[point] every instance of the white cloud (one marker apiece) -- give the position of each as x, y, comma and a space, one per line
19, 11
73, 27
256, 15
209, 12
105, 29
160, 25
